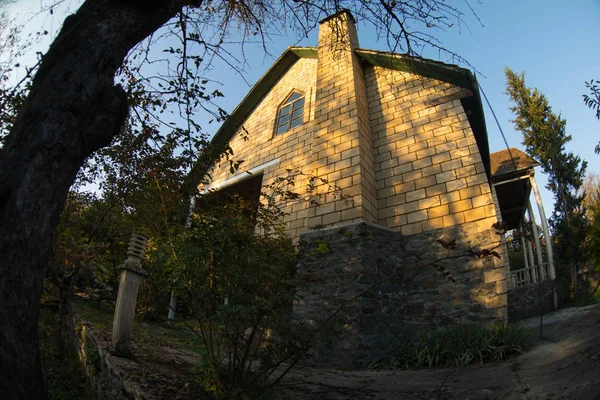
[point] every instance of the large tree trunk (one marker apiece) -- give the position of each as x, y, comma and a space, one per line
73, 109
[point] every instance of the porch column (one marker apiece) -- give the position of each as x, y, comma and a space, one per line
523, 246
536, 238
532, 272
538, 200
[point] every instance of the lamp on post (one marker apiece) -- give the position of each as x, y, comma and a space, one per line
131, 275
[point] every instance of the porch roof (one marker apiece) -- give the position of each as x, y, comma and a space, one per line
511, 169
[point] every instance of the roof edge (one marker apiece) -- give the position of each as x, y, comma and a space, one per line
420, 66
258, 92
337, 14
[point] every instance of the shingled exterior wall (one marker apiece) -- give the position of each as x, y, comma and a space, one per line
411, 165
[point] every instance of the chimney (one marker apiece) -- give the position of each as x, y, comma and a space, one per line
342, 143
338, 32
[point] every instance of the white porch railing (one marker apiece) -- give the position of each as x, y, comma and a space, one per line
527, 276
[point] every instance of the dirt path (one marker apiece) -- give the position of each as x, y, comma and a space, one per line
564, 364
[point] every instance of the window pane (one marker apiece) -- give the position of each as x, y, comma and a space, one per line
283, 119
296, 122
282, 128
284, 110
298, 104
297, 113
294, 96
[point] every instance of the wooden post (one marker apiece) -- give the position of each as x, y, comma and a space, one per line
523, 246
536, 238
131, 275
172, 307
540, 205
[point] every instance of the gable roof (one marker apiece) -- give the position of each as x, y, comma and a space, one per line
509, 161
258, 92
453, 74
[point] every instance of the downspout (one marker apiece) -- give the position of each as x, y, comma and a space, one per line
536, 238
188, 225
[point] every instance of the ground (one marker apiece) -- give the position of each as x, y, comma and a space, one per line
165, 359
564, 364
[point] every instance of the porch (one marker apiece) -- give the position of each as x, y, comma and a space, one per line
513, 180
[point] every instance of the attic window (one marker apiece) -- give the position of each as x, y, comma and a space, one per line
291, 113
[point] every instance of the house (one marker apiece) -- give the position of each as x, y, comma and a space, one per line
405, 139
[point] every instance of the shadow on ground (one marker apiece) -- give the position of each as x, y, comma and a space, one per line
564, 364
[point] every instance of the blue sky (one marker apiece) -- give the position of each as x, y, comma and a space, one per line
554, 42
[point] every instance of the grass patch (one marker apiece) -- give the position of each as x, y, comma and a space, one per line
588, 300
63, 375
457, 346
157, 333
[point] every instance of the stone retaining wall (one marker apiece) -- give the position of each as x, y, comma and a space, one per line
528, 301
428, 286
108, 379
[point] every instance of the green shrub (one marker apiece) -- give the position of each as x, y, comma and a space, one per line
63, 374
237, 270
457, 346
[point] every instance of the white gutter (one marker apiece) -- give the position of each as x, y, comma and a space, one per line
251, 173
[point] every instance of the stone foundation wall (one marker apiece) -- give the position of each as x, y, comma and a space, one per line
421, 284
529, 301
108, 379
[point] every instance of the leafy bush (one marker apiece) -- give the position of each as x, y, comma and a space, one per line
237, 272
63, 375
457, 346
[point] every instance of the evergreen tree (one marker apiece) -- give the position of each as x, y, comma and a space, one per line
544, 138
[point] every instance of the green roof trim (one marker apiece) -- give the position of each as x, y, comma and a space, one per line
305, 52
418, 66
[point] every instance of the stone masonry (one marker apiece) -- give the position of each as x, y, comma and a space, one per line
400, 284
529, 301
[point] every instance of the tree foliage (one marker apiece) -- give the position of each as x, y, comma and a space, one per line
591, 201
13, 47
239, 285
592, 100
544, 138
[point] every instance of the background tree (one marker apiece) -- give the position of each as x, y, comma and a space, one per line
592, 100
544, 137
591, 201
75, 108
13, 46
